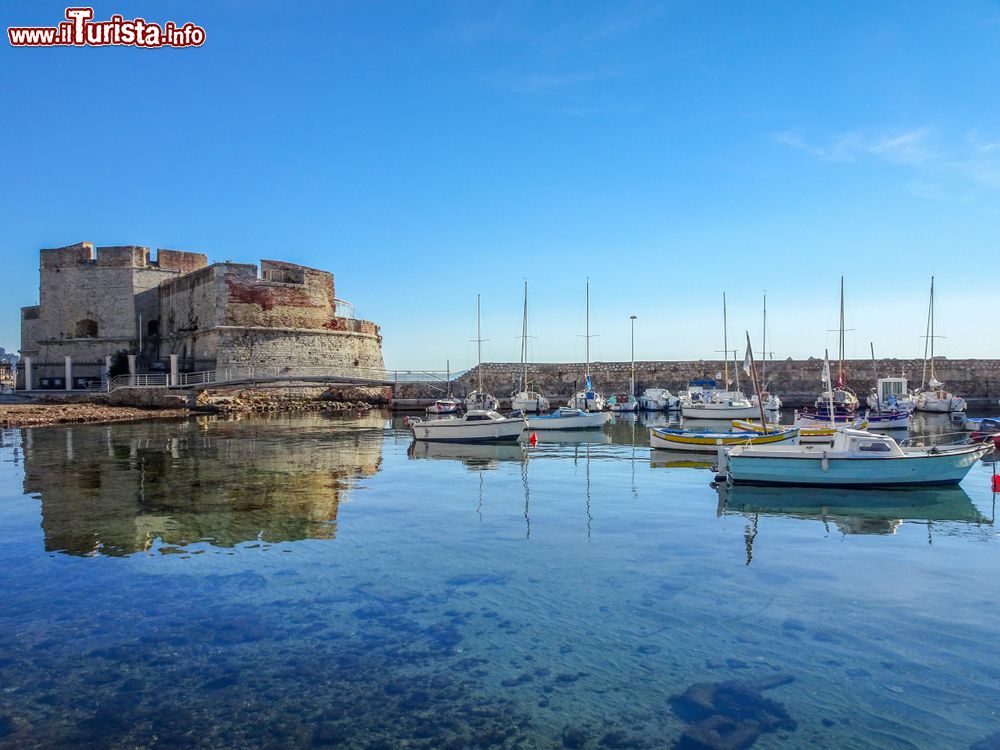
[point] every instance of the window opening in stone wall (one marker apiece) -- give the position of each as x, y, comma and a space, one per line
86, 328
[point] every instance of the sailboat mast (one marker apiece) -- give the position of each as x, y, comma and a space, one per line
932, 328
587, 335
524, 341
447, 365
479, 345
927, 336
756, 384
725, 341
763, 338
841, 380
736, 369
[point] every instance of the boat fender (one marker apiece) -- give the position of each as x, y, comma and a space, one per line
825, 462
934, 451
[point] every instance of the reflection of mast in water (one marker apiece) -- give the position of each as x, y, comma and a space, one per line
479, 505
586, 474
635, 492
749, 534
524, 481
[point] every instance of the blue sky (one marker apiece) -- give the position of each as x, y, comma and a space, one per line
427, 151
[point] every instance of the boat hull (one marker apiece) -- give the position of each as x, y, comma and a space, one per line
590, 421
506, 431
817, 471
719, 411
888, 421
709, 442
941, 405
529, 406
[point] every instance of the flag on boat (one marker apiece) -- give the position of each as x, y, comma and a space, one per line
589, 386
747, 362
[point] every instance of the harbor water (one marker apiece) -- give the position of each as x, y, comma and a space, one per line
306, 581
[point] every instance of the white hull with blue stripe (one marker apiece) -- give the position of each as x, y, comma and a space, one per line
857, 459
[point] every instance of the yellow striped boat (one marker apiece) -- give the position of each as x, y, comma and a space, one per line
708, 441
806, 434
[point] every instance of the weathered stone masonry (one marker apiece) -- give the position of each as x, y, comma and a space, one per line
94, 304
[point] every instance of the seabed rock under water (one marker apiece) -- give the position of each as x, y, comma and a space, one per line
729, 715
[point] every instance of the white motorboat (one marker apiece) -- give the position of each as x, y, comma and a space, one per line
935, 398
856, 459
891, 394
658, 399
587, 400
526, 400
566, 418
723, 405
622, 403
478, 426
529, 402
771, 401
445, 406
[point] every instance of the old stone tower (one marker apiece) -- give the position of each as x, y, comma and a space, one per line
95, 304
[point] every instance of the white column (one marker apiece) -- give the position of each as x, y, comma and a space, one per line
131, 369
69, 373
175, 376
28, 380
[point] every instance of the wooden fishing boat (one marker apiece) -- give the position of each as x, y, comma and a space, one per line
708, 441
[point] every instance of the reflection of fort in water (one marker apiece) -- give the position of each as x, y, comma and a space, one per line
116, 489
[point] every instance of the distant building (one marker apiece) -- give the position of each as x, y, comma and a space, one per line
108, 302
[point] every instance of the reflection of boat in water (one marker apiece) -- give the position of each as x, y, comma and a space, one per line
474, 455
872, 512
666, 459
573, 437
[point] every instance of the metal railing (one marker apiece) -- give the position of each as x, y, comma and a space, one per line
252, 373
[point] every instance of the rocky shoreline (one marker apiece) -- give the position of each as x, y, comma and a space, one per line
43, 415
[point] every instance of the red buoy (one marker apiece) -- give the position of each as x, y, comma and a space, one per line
534, 441
996, 482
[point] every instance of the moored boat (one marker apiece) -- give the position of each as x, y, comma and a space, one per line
478, 426
481, 401
856, 459
445, 406
623, 403
934, 398
566, 418
890, 419
658, 399
526, 400
814, 434
708, 441
724, 405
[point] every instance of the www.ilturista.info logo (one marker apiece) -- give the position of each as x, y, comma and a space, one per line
80, 30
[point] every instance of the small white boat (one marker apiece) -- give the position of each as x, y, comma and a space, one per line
856, 459
587, 400
890, 394
708, 441
621, 403
445, 406
939, 401
725, 405
481, 401
658, 399
529, 402
565, 418
894, 419
477, 426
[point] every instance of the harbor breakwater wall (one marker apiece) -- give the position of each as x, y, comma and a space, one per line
796, 381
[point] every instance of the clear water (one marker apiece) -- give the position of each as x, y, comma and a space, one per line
305, 581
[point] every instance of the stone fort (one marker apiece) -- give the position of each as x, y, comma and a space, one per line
98, 303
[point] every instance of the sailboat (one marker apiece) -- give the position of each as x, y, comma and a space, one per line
724, 404
480, 400
627, 403
525, 400
932, 396
587, 399
837, 401
771, 401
